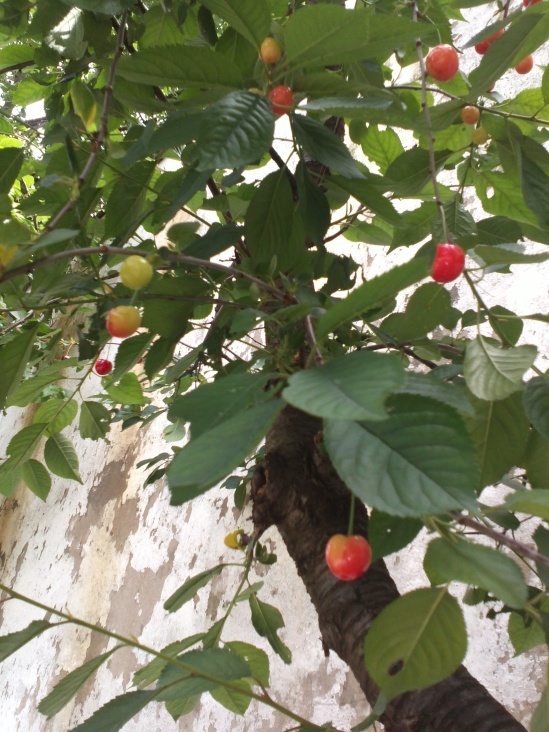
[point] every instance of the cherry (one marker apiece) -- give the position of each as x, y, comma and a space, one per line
123, 321
526, 3
483, 46
525, 66
103, 366
348, 557
470, 115
448, 264
135, 272
442, 62
270, 51
282, 99
480, 136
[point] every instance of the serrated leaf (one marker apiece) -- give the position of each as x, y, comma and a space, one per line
267, 620
231, 699
381, 146
536, 461
476, 565
535, 401
152, 670
351, 387
500, 431
388, 534
216, 453
37, 478
57, 413
419, 461
9, 480
61, 457
200, 671
237, 130
70, 685
30, 389
128, 354
180, 66
373, 292
189, 589
114, 714
12, 642
313, 205
11, 160
14, 356
534, 502
366, 194
501, 195
524, 633
127, 199
24, 443
324, 146
127, 391
429, 306
540, 718
257, 660
415, 641
494, 373
427, 385
251, 18
508, 254
95, 420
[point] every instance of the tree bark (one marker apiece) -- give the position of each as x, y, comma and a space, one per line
297, 489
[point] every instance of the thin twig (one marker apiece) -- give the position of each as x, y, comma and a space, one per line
517, 546
319, 359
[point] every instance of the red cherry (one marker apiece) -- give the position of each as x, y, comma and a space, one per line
103, 366
348, 557
442, 62
282, 99
525, 66
526, 3
483, 46
470, 115
123, 321
448, 264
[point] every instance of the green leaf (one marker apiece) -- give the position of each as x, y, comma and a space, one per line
366, 194
152, 670
114, 714
23, 444
30, 389
189, 589
61, 457
500, 431
188, 66
388, 534
126, 203
9, 481
533, 502
251, 18
205, 461
419, 461
535, 401
508, 254
428, 307
353, 386
37, 478
14, 641
535, 189
381, 146
231, 699
267, 620
536, 461
257, 660
324, 146
268, 222
11, 160
415, 641
127, 391
371, 293
215, 664
70, 685
501, 195
95, 420
128, 354
540, 718
237, 130
428, 385
476, 565
57, 413
313, 205
211, 404
524, 634
494, 373
14, 356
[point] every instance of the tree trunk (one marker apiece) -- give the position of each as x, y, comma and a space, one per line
297, 489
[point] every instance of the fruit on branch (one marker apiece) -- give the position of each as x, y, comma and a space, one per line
270, 51
483, 46
123, 321
470, 115
448, 263
525, 66
348, 557
103, 366
135, 272
282, 99
442, 62
480, 136
526, 3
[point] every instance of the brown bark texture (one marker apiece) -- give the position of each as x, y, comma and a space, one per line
297, 489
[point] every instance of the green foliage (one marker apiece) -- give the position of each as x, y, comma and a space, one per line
254, 307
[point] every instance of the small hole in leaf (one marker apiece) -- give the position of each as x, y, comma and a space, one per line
395, 667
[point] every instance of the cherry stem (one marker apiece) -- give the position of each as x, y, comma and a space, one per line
351, 526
